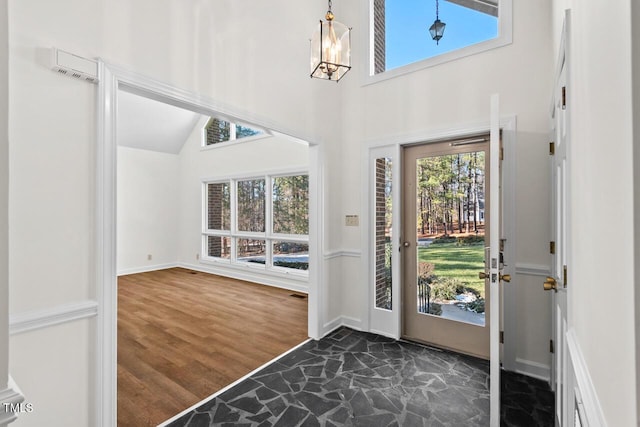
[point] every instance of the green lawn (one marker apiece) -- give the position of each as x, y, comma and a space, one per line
462, 262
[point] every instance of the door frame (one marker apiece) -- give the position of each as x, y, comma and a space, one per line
111, 79
389, 322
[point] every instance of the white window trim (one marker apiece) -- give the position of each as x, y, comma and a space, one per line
504, 38
234, 234
232, 135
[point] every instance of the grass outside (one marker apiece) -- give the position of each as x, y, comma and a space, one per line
462, 262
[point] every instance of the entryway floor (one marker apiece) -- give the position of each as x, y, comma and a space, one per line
359, 379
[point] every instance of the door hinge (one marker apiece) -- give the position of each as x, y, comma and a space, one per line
564, 276
551, 347
501, 337
552, 248
564, 97
552, 148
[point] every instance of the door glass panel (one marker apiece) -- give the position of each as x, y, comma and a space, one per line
383, 215
450, 218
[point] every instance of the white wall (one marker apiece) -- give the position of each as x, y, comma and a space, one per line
148, 209
602, 270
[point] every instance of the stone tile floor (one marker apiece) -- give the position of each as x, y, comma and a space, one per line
352, 378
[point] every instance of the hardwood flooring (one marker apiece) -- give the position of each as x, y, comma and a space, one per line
183, 335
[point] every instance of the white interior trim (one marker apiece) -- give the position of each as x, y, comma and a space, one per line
592, 408
532, 369
350, 253
39, 319
113, 79
13, 396
147, 268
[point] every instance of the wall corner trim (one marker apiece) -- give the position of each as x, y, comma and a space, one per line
39, 319
592, 408
13, 396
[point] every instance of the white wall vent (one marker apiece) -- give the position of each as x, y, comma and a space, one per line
75, 66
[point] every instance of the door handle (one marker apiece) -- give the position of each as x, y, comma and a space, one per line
482, 275
505, 277
550, 283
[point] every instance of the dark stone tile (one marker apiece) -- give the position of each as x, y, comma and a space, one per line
351, 363
225, 414
199, 420
412, 420
313, 371
360, 404
371, 383
378, 420
310, 421
263, 394
296, 357
260, 417
381, 402
247, 404
294, 375
291, 417
340, 416
275, 382
332, 365
338, 383
277, 406
316, 404
240, 389
312, 387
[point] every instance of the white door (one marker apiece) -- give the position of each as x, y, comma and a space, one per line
493, 266
558, 281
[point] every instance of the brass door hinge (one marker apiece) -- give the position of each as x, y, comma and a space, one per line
552, 148
501, 337
552, 248
564, 276
564, 97
551, 347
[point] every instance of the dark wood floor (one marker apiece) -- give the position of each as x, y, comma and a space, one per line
184, 335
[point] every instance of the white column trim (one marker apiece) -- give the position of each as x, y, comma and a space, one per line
11, 395
592, 408
39, 319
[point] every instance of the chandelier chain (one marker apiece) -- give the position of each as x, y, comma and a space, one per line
330, 5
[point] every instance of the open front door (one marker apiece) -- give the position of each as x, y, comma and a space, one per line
493, 272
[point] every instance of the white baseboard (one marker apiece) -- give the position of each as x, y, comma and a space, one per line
147, 268
349, 322
13, 396
258, 277
533, 369
38, 319
591, 404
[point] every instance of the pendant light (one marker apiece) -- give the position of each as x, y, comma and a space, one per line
437, 28
330, 49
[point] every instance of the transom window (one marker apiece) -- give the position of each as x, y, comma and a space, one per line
401, 31
218, 130
259, 222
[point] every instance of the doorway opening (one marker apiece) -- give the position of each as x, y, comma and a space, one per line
113, 83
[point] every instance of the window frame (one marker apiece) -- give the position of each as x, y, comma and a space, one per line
264, 133
504, 38
268, 236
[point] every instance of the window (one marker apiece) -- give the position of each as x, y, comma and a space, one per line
218, 130
401, 31
270, 224
383, 217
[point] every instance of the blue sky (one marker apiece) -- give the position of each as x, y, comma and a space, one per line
407, 29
